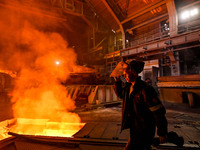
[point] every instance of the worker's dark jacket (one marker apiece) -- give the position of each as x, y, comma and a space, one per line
142, 110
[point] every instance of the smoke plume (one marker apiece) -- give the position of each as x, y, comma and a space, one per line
42, 59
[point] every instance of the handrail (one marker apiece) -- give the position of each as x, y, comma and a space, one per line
153, 35
156, 34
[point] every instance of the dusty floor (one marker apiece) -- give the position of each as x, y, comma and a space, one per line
181, 119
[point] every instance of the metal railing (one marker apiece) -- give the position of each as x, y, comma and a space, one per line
153, 35
156, 34
190, 26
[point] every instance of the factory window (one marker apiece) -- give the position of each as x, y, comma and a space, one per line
189, 61
188, 15
166, 70
165, 66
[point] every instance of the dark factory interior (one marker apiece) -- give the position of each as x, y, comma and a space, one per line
58, 57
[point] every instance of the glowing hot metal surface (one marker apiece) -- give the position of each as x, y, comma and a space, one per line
44, 127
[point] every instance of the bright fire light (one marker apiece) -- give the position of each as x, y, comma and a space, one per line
40, 127
57, 62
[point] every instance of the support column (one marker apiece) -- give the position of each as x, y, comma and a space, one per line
173, 17
175, 66
123, 38
94, 38
118, 22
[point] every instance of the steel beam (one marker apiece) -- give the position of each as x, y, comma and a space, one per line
160, 46
117, 20
142, 11
148, 22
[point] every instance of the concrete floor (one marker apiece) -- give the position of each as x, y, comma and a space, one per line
182, 119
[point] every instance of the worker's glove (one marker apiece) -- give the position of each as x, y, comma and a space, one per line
171, 137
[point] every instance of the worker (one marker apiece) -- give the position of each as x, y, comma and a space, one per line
142, 110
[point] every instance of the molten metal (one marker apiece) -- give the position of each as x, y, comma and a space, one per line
43, 127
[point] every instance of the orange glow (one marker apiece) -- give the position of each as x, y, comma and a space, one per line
38, 92
57, 62
148, 1
156, 10
31, 50
38, 127
44, 127
11, 73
